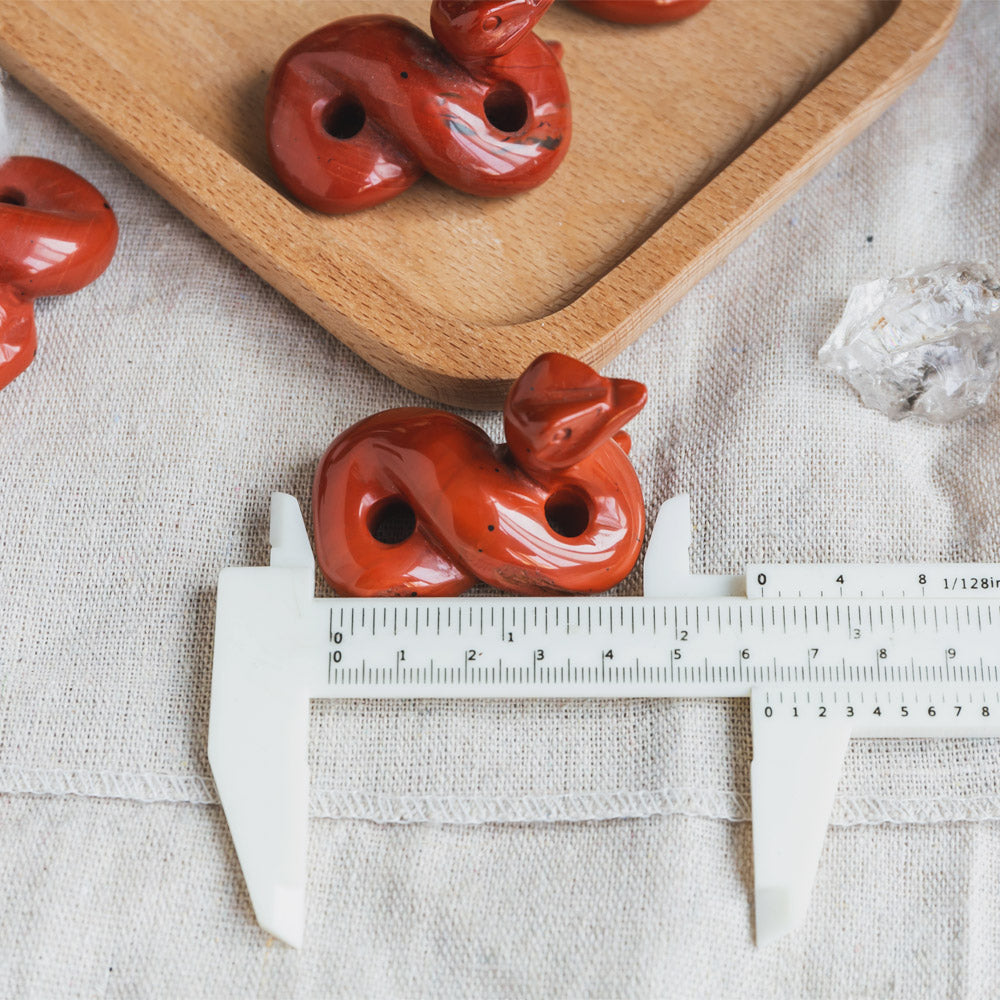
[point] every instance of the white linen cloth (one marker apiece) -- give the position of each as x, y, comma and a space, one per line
551, 849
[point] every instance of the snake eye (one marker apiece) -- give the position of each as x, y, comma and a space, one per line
492, 22
9, 196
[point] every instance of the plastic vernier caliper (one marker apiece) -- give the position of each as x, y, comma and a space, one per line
823, 652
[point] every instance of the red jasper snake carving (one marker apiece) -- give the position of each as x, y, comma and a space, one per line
57, 234
558, 509
358, 110
641, 11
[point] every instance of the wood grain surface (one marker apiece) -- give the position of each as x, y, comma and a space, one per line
685, 137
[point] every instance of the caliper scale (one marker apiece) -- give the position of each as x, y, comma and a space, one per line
823, 652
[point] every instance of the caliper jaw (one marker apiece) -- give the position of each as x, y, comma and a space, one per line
259, 721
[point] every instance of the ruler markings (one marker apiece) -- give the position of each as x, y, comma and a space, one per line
632, 633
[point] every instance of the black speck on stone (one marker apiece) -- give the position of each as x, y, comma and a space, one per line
490, 527
869, 239
405, 75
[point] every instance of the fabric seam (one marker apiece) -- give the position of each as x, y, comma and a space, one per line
469, 810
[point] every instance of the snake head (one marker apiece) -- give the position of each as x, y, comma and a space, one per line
473, 30
560, 410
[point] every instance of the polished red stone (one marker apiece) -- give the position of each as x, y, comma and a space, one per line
556, 510
641, 11
361, 108
57, 234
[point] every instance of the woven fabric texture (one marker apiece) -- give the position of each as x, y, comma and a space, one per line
502, 849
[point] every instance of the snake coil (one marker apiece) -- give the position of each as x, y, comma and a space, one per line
558, 509
358, 110
57, 234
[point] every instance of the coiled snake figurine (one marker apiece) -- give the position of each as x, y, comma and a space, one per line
641, 11
57, 234
558, 509
358, 110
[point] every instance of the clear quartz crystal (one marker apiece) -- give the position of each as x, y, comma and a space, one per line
926, 343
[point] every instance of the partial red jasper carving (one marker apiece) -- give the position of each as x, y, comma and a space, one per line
558, 509
57, 234
641, 11
358, 110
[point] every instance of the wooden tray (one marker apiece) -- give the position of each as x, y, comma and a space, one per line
685, 137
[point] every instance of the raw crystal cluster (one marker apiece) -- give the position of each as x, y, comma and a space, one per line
926, 343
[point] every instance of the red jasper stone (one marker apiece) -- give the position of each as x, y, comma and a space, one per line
360, 109
641, 11
417, 501
57, 234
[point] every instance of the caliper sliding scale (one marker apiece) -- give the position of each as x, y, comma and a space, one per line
823, 653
